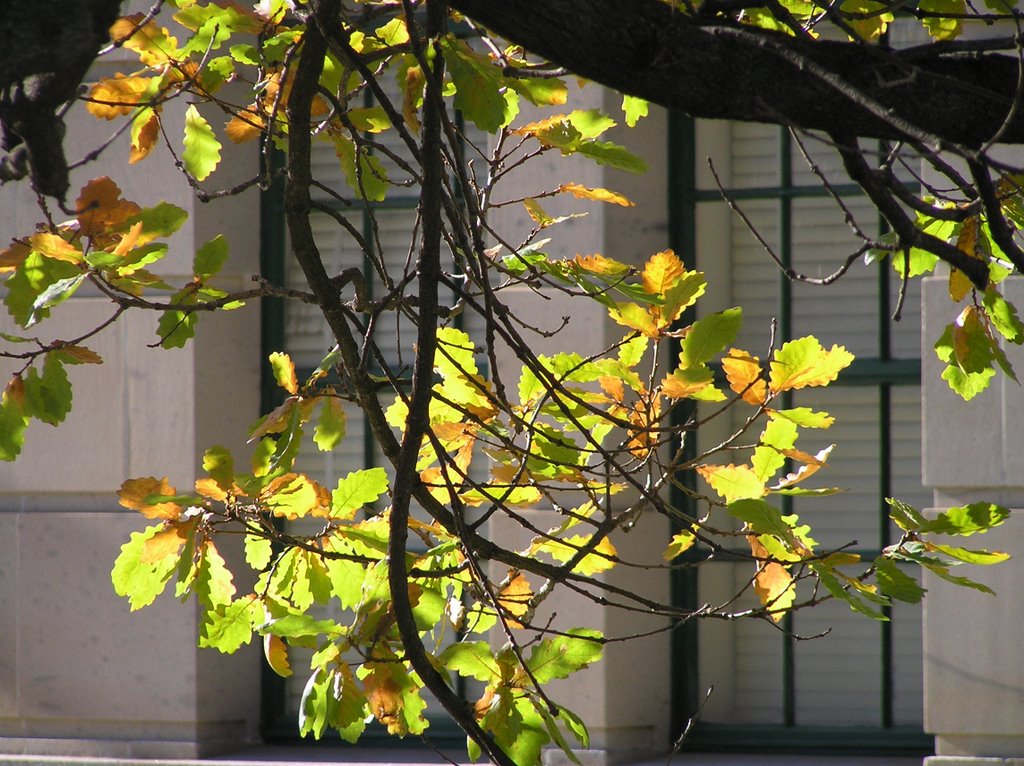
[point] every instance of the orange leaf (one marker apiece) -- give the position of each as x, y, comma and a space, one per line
143, 143
13, 256
116, 96
600, 195
515, 596
811, 465
244, 126
662, 272
276, 652
166, 542
773, 583
134, 492
100, 207
128, 241
385, 698
743, 371
209, 488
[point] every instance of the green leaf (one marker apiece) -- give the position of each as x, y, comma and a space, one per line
54, 294
48, 396
368, 180
708, 337
480, 90
161, 220
540, 91
176, 328
562, 656
590, 123
258, 552
967, 519
357, 489
907, 518
761, 517
896, 583
202, 149
219, 466
804, 417
137, 580
211, 257
228, 627
634, 108
982, 558
967, 384
13, 422
942, 21
213, 585
471, 660
805, 362
330, 428
1003, 315
31, 278
612, 155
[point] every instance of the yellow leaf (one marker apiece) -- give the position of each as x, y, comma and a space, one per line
662, 272
284, 372
600, 559
133, 493
515, 597
153, 44
679, 544
733, 482
82, 354
536, 212
600, 195
805, 362
773, 583
276, 652
166, 542
116, 96
294, 496
636, 317
967, 242
743, 371
411, 95
598, 264
56, 247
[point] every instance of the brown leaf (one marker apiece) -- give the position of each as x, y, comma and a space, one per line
145, 140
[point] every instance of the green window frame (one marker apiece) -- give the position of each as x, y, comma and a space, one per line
884, 372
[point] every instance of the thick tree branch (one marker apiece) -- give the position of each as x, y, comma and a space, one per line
714, 68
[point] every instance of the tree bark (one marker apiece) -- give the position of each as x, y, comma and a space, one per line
714, 68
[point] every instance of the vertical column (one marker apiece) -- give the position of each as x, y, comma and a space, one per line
973, 675
79, 674
624, 699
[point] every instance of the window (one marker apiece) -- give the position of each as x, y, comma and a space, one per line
299, 330
860, 685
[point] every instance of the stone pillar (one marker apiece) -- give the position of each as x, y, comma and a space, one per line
973, 673
79, 674
625, 698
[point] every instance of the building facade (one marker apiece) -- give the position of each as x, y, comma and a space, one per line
80, 675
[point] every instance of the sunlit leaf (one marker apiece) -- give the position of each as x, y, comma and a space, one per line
284, 371
597, 194
356, 490
134, 492
805, 362
680, 543
202, 149
773, 583
515, 597
733, 482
